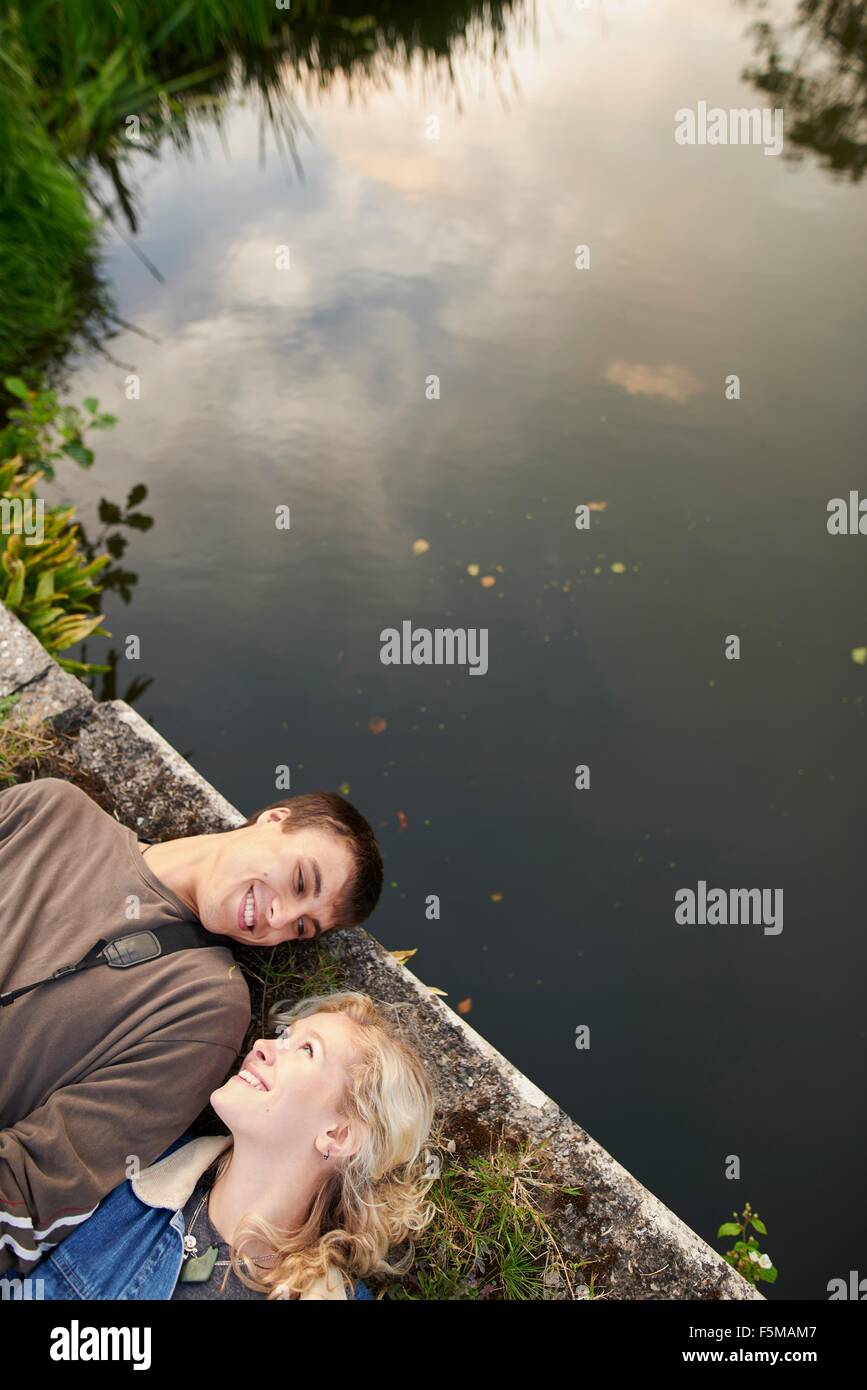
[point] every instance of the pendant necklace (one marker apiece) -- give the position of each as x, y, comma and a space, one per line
197, 1268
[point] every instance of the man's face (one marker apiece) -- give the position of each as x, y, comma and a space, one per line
270, 884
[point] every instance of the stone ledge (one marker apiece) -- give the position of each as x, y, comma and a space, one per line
640, 1249
45, 691
157, 792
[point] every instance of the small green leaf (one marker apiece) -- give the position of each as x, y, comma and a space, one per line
728, 1228
15, 591
82, 456
17, 387
91, 404
138, 494
760, 1226
45, 586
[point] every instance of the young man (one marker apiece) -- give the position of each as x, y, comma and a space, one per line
101, 1070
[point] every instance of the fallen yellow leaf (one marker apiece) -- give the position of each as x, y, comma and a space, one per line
465, 1005
487, 581
376, 724
403, 956
618, 568
496, 897
859, 656
420, 547
473, 570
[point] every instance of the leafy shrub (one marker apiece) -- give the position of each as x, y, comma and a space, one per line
47, 577
50, 583
41, 431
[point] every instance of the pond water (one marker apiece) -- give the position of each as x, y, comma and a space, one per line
455, 257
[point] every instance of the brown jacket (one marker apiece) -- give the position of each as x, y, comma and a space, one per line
107, 1065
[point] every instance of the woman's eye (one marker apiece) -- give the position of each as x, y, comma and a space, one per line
301, 928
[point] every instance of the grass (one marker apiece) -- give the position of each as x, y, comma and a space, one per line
50, 290
24, 743
492, 1236
289, 971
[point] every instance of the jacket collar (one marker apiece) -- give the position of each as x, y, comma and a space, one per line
170, 1183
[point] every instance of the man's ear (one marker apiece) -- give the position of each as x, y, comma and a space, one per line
274, 813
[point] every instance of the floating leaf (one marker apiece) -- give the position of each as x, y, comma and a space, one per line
596, 506
402, 820
487, 581
420, 547
344, 789
859, 656
473, 570
496, 897
376, 724
465, 1005
432, 989
618, 568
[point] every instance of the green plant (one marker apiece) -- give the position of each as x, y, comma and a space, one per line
745, 1255
47, 580
285, 971
51, 291
490, 1237
41, 430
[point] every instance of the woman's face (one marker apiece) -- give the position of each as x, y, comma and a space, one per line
289, 1089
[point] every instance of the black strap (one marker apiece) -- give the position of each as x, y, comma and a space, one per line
130, 948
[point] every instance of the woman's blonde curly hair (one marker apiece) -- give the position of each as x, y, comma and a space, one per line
374, 1201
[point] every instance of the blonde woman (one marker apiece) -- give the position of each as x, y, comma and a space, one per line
323, 1174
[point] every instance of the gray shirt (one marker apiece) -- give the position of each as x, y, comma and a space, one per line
198, 1224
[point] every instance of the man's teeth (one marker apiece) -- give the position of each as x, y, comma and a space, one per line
249, 909
251, 1080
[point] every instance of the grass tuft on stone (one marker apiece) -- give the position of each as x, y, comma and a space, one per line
492, 1236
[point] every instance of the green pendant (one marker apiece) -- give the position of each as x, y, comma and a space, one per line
196, 1271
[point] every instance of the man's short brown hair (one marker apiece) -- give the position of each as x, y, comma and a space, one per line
332, 812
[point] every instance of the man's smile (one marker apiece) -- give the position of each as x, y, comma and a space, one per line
248, 913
